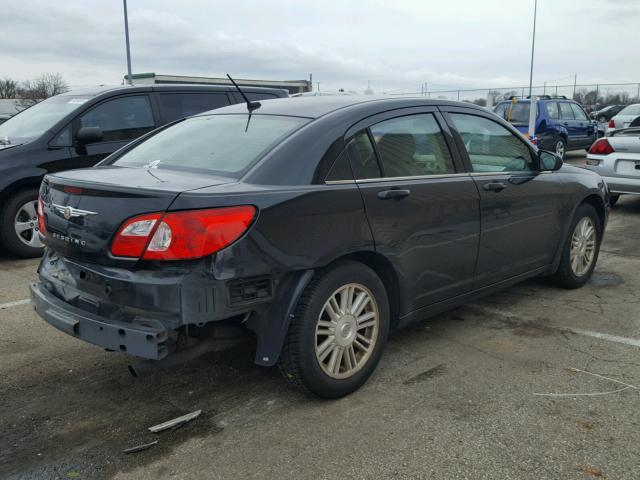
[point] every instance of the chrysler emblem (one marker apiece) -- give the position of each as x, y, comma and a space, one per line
70, 212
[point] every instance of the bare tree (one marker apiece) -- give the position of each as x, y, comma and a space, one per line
42, 87
8, 88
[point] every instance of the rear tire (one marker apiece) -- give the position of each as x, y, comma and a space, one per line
560, 146
581, 249
19, 211
337, 334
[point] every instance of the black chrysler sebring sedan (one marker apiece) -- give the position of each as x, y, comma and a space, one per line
314, 224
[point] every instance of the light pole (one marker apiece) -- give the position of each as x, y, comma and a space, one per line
533, 45
533, 103
126, 36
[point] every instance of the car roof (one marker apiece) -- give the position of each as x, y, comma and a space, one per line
105, 89
315, 107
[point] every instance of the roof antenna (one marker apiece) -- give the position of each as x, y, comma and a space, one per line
251, 106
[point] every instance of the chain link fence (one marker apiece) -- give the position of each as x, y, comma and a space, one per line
591, 96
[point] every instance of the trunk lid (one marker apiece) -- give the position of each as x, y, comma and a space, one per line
83, 209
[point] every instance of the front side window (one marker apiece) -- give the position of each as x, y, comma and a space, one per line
578, 113
412, 146
123, 118
34, 121
214, 144
491, 147
566, 113
180, 105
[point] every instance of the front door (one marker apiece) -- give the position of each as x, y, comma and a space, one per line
520, 206
121, 119
423, 212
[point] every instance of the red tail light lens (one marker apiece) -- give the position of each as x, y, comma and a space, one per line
41, 224
611, 124
182, 235
601, 147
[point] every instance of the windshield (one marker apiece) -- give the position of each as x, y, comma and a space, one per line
217, 144
516, 113
631, 110
34, 121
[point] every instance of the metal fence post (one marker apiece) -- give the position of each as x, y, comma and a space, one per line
638, 95
458, 95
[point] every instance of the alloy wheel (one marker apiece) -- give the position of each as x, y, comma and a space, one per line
26, 225
560, 148
583, 246
347, 331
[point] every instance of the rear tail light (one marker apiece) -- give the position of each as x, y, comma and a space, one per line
41, 224
611, 124
181, 235
601, 147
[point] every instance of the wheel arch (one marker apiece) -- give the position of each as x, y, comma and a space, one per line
21, 184
387, 274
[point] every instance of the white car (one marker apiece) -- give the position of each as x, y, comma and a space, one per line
616, 158
624, 118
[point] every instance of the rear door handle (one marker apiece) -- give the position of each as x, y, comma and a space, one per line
494, 186
393, 194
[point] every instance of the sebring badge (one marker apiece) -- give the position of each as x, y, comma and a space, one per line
70, 212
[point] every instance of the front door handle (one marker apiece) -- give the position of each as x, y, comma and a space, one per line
494, 186
393, 194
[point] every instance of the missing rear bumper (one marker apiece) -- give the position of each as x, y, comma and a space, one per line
142, 338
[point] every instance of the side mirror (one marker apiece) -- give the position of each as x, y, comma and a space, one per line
549, 160
87, 135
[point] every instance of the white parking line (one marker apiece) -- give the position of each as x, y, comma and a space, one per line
14, 304
605, 336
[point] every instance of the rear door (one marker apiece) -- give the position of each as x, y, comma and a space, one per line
584, 127
422, 209
176, 105
520, 206
122, 119
568, 120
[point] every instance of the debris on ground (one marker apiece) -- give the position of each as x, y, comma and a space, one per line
140, 448
175, 422
627, 386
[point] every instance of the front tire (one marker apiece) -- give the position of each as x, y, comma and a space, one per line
19, 224
581, 249
337, 334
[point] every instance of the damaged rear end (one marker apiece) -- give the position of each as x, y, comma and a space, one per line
122, 270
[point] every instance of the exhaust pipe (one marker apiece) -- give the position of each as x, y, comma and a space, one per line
180, 357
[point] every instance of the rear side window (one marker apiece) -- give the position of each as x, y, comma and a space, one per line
363, 157
552, 110
123, 118
412, 146
216, 144
491, 147
180, 105
566, 113
578, 112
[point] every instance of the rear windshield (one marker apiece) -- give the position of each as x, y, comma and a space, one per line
631, 110
516, 113
217, 144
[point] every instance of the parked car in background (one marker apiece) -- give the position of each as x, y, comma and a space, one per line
4, 118
605, 114
626, 117
318, 223
80, 128
561, 124
616, 158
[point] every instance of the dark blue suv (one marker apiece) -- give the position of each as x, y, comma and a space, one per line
561, 124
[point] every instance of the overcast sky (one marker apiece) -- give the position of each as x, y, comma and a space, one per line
394, 44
